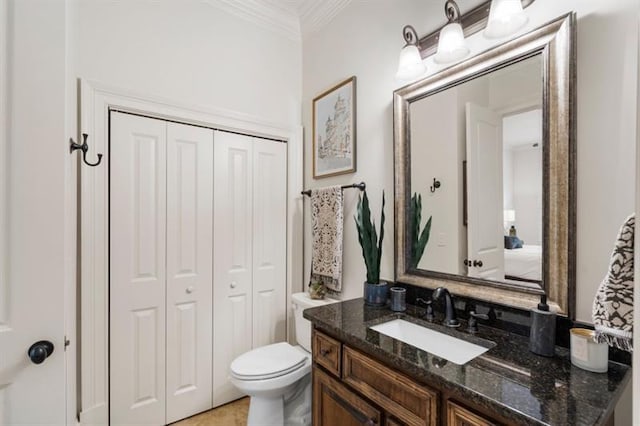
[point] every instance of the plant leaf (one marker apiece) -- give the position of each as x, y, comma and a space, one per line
423, 240
419, 239
368, 238
382, 218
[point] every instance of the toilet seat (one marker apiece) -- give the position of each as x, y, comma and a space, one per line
267, 362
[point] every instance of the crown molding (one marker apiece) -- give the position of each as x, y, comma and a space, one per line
291, 19
314, 15
263, 13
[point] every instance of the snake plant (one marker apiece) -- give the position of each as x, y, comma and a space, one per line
368, 238
419, 239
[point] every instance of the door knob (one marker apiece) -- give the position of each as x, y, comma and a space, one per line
477, 263
466, 262
233, 284
189, 289
40, 351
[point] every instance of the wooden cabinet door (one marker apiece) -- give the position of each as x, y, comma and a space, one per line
460, 416
407, 401
334, 404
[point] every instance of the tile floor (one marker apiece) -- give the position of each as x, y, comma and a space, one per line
232, 414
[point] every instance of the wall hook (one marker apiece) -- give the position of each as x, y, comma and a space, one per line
436, 185
84, 147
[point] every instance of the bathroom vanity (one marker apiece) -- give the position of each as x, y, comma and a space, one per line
364, 377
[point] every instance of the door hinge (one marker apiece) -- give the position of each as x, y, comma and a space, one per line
67, 342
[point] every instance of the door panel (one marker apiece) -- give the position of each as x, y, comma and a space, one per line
37, 213
232, 285
137, 271
189, 269
484, 163
269, 241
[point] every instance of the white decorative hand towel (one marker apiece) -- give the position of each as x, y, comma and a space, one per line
327, 225
613, 304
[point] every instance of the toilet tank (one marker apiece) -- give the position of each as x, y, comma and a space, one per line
300, 302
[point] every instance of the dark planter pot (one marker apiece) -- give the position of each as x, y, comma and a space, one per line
376, 294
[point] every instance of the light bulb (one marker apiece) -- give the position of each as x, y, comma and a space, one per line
451, 44
410, 65
505, 18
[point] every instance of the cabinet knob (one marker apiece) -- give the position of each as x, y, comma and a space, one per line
190, 289
233, 284
325, 352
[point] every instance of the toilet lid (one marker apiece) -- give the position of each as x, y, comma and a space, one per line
268, 361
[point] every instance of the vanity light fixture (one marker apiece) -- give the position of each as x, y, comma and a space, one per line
452, 45
506, 17
410, 65
496, 18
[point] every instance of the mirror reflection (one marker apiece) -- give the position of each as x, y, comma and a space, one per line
477, 164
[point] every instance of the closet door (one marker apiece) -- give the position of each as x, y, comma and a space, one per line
232, 251
137, 269
269, 241
189, 269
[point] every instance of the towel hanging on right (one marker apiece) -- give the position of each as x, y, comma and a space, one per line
613, 304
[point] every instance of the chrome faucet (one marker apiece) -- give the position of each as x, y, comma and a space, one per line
450, 310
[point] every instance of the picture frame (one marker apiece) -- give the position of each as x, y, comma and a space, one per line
334, 130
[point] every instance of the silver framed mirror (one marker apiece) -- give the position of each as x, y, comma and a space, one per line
486, 149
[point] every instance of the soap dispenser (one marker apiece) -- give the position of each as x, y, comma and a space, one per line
542, 339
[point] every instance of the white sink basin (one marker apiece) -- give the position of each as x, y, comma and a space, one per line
439, 344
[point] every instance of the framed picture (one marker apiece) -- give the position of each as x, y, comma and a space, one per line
334, 130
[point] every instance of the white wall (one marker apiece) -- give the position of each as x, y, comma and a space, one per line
636, 309
527, 193
192, 52
365, 40
434, 154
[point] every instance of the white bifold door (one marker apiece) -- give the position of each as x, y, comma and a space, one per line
161, 270
197, 263
249, 249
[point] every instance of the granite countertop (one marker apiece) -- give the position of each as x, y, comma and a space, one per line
508, 379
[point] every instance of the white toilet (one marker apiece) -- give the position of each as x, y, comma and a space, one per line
278, 377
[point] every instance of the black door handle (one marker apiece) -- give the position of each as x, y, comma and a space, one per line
40, 351
477, 263
466, 262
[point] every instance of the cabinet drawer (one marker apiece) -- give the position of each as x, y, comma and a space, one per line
335, 405
327, 352
460, 416
409, 402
